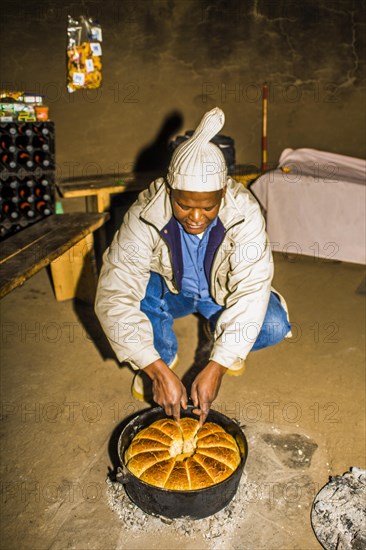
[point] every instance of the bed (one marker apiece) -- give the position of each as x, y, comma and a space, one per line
315, 204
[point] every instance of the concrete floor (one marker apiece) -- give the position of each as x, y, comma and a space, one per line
62, 402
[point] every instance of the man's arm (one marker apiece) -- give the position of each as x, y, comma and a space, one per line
121, 287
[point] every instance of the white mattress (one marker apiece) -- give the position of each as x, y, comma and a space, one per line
316, 204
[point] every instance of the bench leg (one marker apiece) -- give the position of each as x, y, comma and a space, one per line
74, 273
100, 202
103, 202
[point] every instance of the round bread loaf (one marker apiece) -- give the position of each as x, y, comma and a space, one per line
181, 456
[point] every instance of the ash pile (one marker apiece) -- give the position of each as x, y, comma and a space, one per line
339, 512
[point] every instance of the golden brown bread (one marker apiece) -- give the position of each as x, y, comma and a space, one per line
141, 462
181, 456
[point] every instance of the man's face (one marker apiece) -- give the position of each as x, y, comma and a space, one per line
195, 210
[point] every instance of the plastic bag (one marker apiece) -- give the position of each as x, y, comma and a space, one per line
84, 51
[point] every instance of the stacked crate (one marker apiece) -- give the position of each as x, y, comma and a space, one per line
27, 174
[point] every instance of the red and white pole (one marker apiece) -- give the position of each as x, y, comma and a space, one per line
264, 128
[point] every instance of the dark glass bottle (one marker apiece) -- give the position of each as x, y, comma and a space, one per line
26, 210
11, 129
42, 159
44, 182
22, 142
43, 208
41, 129
25, 130
9, 190
7, 144
3, 231
25, 192
8, 160
39, 142
25, 160
29, 182
10, 210
42, 192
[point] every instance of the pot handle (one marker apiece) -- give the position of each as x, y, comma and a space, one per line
237, 422
122, 475
190, 404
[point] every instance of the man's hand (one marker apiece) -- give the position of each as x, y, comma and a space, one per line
206, 387
168, 390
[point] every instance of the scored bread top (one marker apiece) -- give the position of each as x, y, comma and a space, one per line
181, 456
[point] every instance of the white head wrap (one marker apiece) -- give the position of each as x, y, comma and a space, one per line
197, 164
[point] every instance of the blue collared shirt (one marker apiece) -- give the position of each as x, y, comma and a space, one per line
194, 280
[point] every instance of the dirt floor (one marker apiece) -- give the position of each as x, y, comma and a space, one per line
64, 397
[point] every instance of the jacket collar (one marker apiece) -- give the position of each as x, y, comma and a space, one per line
158, 210
229, 212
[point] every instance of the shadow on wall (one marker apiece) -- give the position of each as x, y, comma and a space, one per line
155, 157
152, 162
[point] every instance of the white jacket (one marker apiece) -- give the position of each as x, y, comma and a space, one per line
240, 278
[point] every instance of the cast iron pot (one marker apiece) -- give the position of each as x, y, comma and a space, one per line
196, 504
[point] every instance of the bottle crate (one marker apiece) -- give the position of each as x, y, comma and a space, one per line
27, 174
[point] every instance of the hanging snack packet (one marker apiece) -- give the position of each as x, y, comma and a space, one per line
84, 51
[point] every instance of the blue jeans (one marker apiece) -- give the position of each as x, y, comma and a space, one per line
162, 307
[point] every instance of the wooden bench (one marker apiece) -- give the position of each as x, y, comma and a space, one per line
97, 190
63, 241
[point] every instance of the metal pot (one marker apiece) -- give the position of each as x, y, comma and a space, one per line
195, 504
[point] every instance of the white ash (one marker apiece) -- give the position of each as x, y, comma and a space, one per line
217, 529
339, 512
